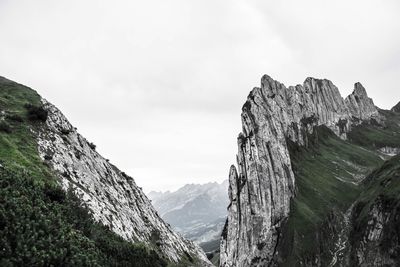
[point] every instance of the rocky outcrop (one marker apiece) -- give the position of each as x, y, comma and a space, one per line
389, 151
262, 186
396, 108
375, 240
360, 105
111, 195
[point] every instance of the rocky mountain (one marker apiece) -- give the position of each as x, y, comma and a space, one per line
61, 156
197, 211
299, 195
396, 108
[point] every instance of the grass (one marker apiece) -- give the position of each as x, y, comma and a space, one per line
384, 182
375, 135
18, 147
382, 191
327, 173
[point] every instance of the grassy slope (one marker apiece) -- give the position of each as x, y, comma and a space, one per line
320, 194
374, 136
384, 182
18, 148
39, 223
325, 183
382, 189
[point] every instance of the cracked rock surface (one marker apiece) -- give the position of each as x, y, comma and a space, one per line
262, 185
111, 195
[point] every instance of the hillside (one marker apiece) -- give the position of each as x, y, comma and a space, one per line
64, 204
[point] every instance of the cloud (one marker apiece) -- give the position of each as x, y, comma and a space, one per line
158, 85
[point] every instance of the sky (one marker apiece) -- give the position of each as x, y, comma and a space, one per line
158, 85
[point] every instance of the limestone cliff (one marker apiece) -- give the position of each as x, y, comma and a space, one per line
111, 195
263, 184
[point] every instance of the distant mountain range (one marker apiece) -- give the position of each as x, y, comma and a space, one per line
197, 211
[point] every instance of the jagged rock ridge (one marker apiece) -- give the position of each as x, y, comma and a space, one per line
111, 195
263, 185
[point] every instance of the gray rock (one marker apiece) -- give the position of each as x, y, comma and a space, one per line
390, 151
374, 246
262, 187
112, 196
396, 108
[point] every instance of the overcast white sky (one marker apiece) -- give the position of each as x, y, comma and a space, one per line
158, 85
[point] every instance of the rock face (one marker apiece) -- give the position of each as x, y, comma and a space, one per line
263, 184
368, 250
390, 151
111, 195
396, 108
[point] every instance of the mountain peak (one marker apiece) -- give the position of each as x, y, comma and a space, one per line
273, 117
270, 87
359, 90
360, 105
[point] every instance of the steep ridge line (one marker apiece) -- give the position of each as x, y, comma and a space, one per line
111, 195
262, 188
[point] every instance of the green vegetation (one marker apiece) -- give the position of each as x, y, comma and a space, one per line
381, 184
40, 224
327, 173
36, 113
18, 145
374, 135
212, 250
186, 260
382, 194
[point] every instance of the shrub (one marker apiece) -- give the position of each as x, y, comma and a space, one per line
36, 113
92, 146
5, 127
41, 225
15, 117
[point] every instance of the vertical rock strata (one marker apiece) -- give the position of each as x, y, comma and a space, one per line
111, 195
263, 184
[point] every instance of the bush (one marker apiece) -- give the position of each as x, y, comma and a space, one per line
91, 145
41, 225
15, 117
5, 127
36, 113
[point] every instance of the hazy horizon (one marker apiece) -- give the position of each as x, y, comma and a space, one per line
158, 86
